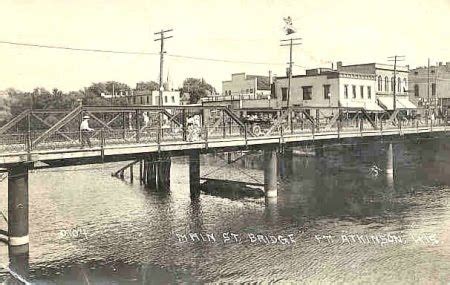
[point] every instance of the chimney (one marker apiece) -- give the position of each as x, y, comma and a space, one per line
440, 63
338, 65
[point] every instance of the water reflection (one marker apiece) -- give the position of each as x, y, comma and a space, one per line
131, 229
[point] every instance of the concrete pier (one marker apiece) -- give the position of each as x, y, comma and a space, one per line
390, 161
390, 166
18, 205
270, 173
194, 173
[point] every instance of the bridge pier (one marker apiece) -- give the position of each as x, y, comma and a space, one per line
156, 172
194, 173
270, 173
390, 163
18, 205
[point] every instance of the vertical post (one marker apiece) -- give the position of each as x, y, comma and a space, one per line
29, 139
317, 119
123, 125
194, 173
138, 127
184, 128
102, 144
291, 122
270, 173
339, 123
131, 174
390, 161
18, 205
223, 122
140, 171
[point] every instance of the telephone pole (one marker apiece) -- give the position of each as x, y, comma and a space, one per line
161, 38
428, 84
292, 42
395, 59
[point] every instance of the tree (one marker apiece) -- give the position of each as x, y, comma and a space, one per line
147, 85
197, 89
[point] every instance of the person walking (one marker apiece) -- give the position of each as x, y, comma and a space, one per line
85, 130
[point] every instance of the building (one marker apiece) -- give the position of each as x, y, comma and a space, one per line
244, 91
144, 97
241, 84
430, 87
385, 83
324, 87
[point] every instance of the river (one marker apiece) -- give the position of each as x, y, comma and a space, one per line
337, 219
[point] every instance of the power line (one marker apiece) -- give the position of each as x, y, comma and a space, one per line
141, 53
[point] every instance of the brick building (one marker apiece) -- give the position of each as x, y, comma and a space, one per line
430, 88
384, 74
324, 87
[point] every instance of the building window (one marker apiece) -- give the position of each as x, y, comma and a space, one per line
307, 92
405, 86
380, 83
165, 99
142, 100
416, 90
386, 84
173, 99
346, 91
399, 84
247, 91
369, 92
284, 94
433, 89
251, 90
354, 91
326, 92
148, 99
361, 89
392, 84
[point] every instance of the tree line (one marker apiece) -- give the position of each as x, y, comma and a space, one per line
14, 101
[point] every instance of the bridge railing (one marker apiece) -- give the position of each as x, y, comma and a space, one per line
149, 124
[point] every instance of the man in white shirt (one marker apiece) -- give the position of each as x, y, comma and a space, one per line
85, 129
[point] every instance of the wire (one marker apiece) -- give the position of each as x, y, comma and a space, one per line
142, 53
77, 49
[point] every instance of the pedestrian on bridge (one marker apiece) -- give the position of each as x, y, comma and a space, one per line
85, 130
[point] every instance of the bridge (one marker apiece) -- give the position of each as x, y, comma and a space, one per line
150, 135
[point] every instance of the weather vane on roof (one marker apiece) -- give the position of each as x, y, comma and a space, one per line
288, 28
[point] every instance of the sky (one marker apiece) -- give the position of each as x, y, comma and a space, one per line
351, 31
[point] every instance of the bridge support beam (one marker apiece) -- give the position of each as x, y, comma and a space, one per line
390, 161
194, 173
270, 173
18, 205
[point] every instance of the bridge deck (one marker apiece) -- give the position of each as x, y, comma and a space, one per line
125, 151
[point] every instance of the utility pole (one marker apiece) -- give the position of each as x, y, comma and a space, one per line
290, 44
395, 58
161, 38
428, 84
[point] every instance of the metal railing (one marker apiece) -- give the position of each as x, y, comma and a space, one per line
128, 125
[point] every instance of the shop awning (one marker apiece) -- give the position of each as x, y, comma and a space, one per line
401, 103
372, 107
386, 102
367, 105
406, 103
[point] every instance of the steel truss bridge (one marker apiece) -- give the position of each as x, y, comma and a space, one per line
123, 133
